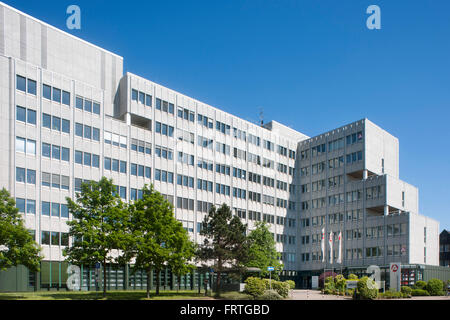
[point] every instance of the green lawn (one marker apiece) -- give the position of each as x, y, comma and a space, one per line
112, 295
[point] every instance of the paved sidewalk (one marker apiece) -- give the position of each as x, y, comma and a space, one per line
315, 295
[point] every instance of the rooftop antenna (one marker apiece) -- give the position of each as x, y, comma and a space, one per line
261, 116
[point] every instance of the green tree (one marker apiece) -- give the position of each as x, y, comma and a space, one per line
158, 239
262, 252
17, 246
225, 243
100, 221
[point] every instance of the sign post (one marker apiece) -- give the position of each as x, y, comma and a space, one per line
395, 276
270, 269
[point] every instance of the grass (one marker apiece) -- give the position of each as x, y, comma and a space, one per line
234, 295
112, 295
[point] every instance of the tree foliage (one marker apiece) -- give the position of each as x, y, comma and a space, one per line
262, 251
225, 244
158, 239
17, 246
99, 220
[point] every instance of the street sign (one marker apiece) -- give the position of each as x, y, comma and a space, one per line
270, 269
352, 284
395, 276
97, 265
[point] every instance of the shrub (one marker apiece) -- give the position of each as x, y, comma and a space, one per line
406, 291
392, 295
352, 276
420, 285
291, 284
233, 295
282, 288
340, 283
349, 292
434, 287
255, 287
419, 293
270, 295
364, 292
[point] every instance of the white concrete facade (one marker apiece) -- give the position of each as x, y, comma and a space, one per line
138, 132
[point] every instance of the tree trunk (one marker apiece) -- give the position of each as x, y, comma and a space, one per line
179, 283
158, 273
218, 282
148, 283
104, 278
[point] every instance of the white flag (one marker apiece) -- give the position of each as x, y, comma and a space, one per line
339, 260
331, 247
323, 245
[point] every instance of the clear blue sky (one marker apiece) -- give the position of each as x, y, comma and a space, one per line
312, 65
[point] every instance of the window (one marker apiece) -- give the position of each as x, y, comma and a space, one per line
20, 204
55, 238
45, 208
45, 238
79, 103
87, 132
21, 83
47, 92
31, 206
31, 116
64, 211
87, 105
65, 126
65, 182
56, 181
95, 134
96, 108
31, 88
56, 152
56, 123
46, 121
64, 239
66, 98
20, 175
55, 210
78, 157
21, 114
20, 145
134, 95
57, 95
46, 177
79, 130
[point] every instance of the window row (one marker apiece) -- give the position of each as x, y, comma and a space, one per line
87, 159
55, 181
115, 139
141, 97
54, 210
204, 185
26, 85
140, 171
55, 94
87, 105
165, 106
25, 115
54, 238
115, 165
87, 132
186, 114
164, 129
55, 152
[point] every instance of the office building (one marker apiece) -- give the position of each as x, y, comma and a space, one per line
70, 114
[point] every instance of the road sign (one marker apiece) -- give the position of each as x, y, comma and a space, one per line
97, 265
270, 269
